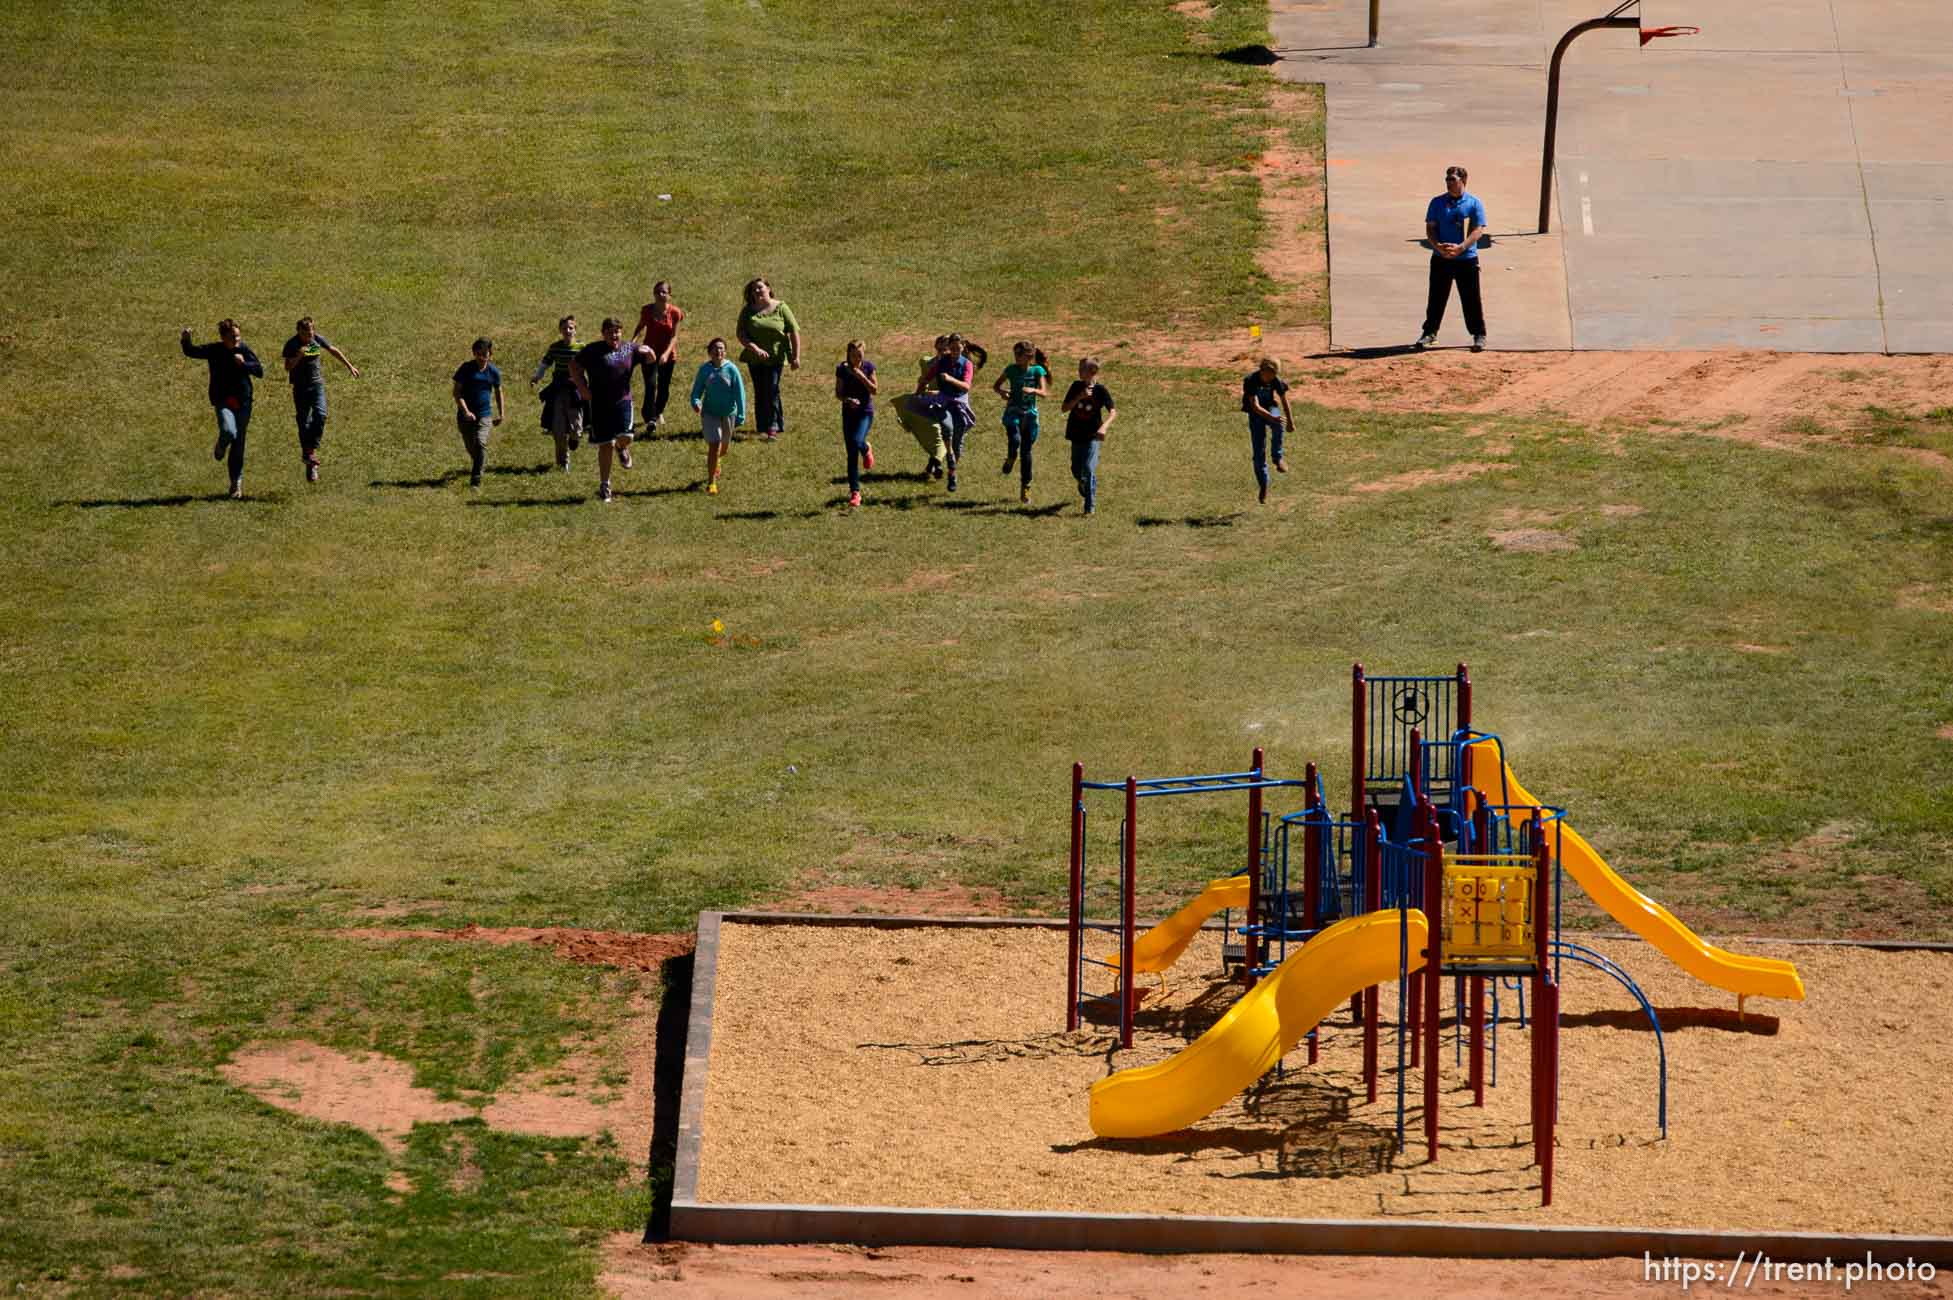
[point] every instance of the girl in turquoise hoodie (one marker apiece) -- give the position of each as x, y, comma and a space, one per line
719, 396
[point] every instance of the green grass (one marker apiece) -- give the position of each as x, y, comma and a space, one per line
231, 726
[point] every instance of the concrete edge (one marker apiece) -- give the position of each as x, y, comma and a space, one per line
698, 1054
878, 1225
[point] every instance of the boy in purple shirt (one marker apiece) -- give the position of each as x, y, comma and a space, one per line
602, 375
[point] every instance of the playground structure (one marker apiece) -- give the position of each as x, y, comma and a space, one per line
1445, 865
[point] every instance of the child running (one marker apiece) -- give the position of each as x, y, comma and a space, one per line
1261, 393
719, 396
1027, 378
232, 365
601, 372
562, 409
854, 389
954, 375
477, 405
657, 324
1088, 403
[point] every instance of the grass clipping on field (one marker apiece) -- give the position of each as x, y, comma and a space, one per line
928, 1067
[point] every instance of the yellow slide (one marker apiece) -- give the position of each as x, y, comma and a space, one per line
1759, 977
1161, 946
1257, 1031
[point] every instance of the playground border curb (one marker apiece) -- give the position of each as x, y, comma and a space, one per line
881, 1225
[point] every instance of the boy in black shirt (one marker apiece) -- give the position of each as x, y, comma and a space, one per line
1088, 410
1265, 398
232, 364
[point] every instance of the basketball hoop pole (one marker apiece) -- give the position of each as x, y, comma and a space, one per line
1612, 18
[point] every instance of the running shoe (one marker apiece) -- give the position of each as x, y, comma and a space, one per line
1024, 494
237, 489
222, 448
951, 485
1425, 341
1478, 342
312, 472
1264, 494
867, 456
854, 498
1010, 463
935, 469
624, 457
603, 491
712, 488
1281, 466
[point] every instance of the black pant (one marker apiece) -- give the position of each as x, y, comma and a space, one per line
1464, 272
657, 389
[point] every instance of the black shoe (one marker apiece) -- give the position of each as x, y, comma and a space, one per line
951, 485
237, 489
1264, 494
603, 491
222, 448
935, 469
1010, 462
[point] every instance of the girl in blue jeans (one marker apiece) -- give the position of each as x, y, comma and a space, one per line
1088, 408
854, 389
1027, 378
1262, 393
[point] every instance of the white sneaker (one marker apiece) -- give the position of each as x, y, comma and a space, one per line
1425, 340
1478, 342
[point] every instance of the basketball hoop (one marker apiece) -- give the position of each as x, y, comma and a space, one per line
1650, 33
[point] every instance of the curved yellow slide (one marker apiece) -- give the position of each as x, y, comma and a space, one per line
1257, 1031
1161, 946
1757, 977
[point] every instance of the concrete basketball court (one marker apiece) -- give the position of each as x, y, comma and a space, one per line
1782, 181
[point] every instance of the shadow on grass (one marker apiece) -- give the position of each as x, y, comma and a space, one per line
1020, 510
1370, 354
460, 475
761, 516
147, 503
883, 476
697, 485
1673, 1018
526, 502
909, 502
1190, 521
668, 1089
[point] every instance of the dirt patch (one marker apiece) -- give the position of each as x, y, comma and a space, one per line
1945, 732
634, 1270
1933, 598
1751, 648
372, 1092
1778, 400
1533, 540
1198, 10
1410, 480
938, 1074
614, 948
931, 579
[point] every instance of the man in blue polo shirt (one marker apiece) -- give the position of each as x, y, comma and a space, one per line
1453, 222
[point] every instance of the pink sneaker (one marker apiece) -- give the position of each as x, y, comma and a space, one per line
868, 456
854, 498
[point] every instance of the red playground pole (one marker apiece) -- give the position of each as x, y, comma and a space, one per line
1358, 700
1417, 1001
1372, 900
1549, 1087
1077, 893
1128, 877
1433, 980
1250, 948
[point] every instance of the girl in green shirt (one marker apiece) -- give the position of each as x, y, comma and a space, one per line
1027, 378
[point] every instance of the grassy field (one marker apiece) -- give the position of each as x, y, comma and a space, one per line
231, 726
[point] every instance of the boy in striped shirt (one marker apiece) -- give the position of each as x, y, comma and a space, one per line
562, 412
